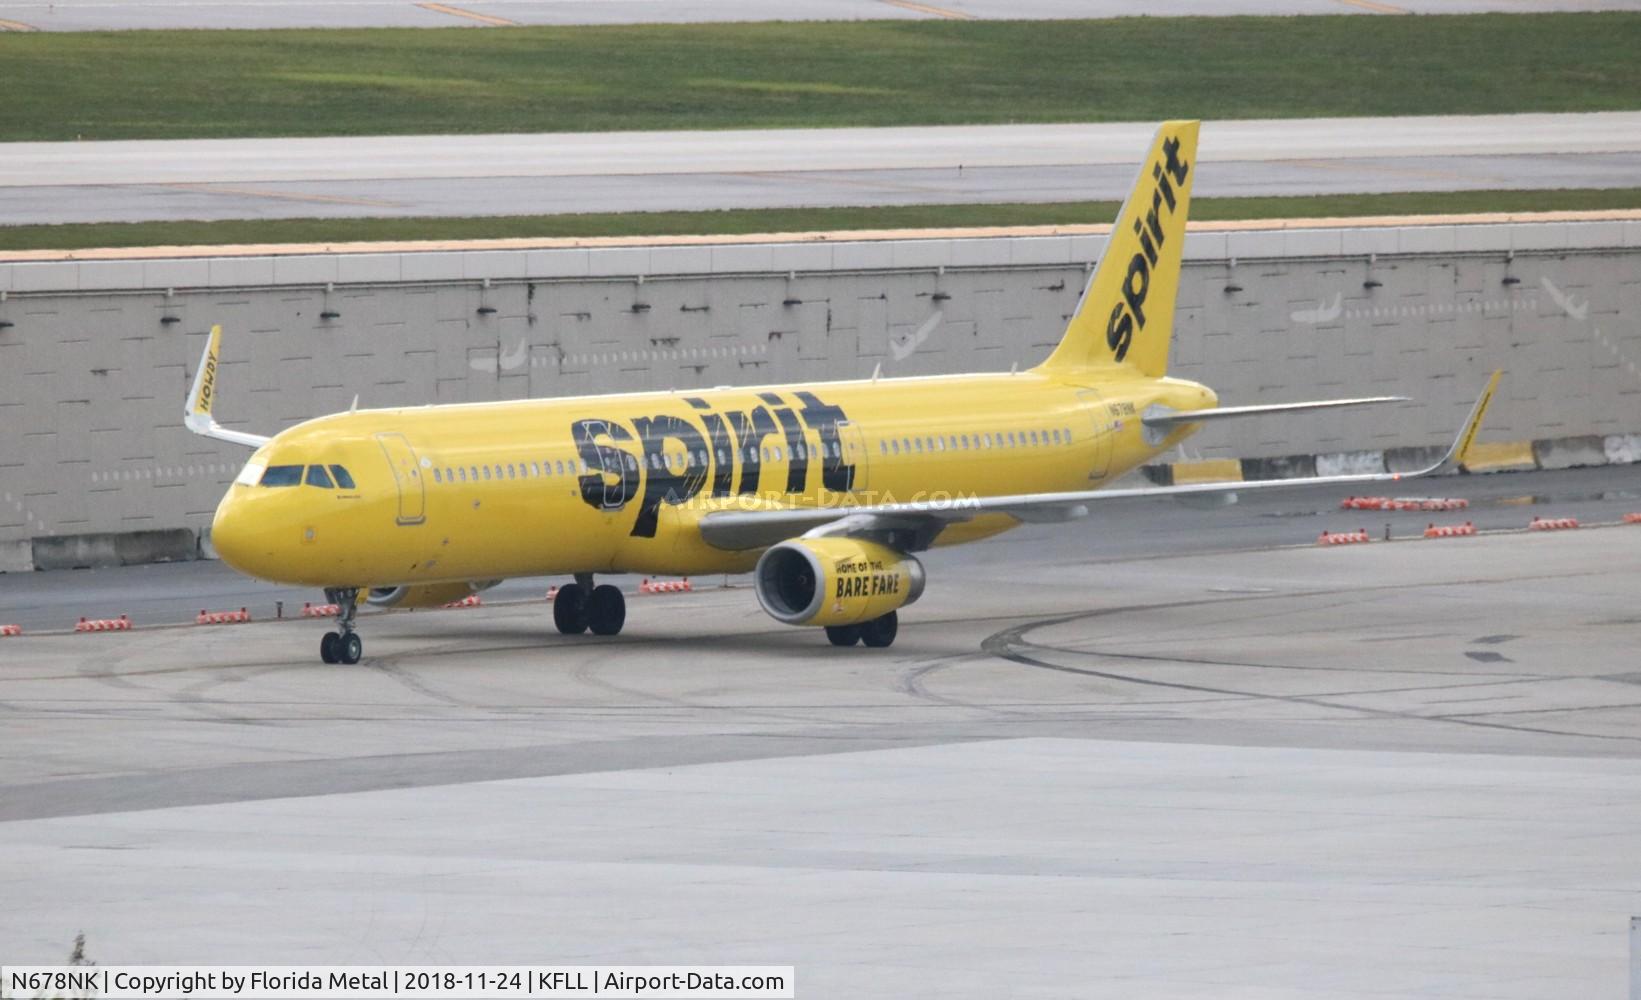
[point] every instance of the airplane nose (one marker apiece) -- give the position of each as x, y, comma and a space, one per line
231, 536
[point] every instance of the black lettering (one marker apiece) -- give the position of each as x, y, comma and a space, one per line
604, 461
723, 454
1145, 242
1166, 188
1119, 332
664, 484
1171, 161
750, 430
836, 474
1134, 294
797, 449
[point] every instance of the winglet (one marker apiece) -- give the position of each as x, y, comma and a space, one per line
196, 414
1460, 451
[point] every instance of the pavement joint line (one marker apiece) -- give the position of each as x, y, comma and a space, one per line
324, 199
494, 22
923, 8
1377, 8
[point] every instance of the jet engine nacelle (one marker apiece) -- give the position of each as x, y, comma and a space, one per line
424, 595
835, 581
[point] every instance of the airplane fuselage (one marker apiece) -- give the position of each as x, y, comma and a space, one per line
476, 492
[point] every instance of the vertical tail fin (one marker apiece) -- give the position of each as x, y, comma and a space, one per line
1126, 315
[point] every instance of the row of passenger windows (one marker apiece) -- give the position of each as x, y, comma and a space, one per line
971, 442
699, 458
675, 461
531, 470
337, 478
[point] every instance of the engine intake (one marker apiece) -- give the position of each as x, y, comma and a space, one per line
424, 595
835, 581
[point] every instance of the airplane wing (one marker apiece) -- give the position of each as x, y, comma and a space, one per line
914, 526
196, 415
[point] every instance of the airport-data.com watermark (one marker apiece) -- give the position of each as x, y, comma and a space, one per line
643, 982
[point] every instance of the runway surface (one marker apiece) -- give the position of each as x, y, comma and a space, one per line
88, 15
1408, 769
43, 183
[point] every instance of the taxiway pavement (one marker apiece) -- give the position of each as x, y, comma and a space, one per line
1408, 769
395, 176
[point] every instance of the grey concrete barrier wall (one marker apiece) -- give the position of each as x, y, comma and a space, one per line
96, 355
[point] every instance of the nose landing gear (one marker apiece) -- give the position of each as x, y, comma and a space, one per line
580, 607
343, 645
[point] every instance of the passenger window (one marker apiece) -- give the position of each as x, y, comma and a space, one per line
896, 447
437, 477
486, 471
282, 475
917, 443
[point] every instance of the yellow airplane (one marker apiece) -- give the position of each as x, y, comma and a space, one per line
824, 491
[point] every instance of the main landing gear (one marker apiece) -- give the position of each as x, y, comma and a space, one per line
581, 607
343, 645
878, 632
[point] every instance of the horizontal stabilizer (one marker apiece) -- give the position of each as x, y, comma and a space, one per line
1171, 420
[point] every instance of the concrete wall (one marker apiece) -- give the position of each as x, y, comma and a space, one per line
97, 356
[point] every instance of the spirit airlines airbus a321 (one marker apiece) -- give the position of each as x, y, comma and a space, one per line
824, 491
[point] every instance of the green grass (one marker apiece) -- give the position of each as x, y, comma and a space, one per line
185, 84
77, 237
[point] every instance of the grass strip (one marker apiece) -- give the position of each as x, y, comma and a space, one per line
227, 84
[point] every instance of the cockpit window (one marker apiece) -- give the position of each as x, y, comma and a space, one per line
317, 476
282, 475
343, 480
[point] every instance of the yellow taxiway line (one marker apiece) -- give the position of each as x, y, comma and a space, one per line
852, 235
1377, 8
923, 8
440, 8
6, 25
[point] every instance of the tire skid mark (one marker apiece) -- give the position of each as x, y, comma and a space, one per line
1011, 644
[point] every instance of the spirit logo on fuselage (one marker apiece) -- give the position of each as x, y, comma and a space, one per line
621, 455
